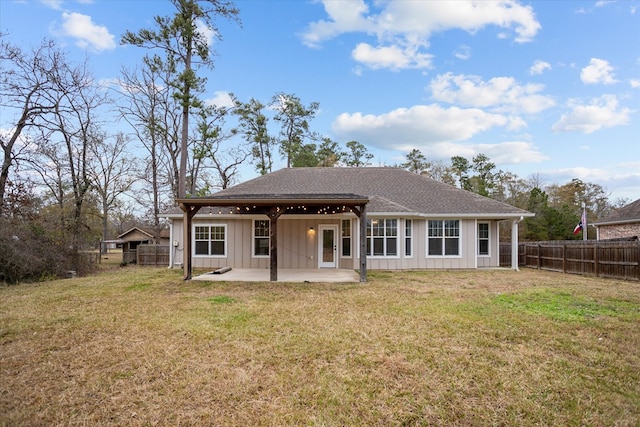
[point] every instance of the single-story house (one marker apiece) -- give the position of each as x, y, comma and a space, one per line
622, 223
349, 218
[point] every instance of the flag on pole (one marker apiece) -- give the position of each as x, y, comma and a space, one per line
581, 224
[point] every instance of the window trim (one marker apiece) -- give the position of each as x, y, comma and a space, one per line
343, 238
443, 238
488, 238
409, 237
369, 238
209, 225
253, 239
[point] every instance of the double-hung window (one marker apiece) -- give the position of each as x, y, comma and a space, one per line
346, 237
210, 240
261, 237
382, 237
408, 235
483, 238
443, 237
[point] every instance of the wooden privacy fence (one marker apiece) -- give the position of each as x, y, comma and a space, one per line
615, 259
157, 255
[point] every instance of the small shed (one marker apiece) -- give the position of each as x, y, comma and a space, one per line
623, 223
135, 236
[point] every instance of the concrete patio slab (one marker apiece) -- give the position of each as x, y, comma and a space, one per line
327, 275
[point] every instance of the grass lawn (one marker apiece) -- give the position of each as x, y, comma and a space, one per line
137, 346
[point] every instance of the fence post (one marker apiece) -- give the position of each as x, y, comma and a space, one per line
538, 261
638, 259
596, 267
564, 258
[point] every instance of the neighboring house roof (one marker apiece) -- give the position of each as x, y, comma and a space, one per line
147, 232
389, 190
625, 214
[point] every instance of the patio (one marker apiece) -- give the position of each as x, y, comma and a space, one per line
326, 275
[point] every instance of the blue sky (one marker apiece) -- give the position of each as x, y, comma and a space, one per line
543, 87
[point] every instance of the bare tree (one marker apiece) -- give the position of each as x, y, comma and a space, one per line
27, 83
111, 174
74, 130
151, 111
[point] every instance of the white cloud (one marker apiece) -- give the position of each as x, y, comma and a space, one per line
86, 32
463, 53
502, 153
344, 17
621, 179
501, 94
207, 33
598, 71
392, 57
539, 67
416, 126
635, 83
221, 99
403, 28
602, 112
53, 4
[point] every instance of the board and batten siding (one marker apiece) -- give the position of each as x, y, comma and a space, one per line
420, 260
298, 245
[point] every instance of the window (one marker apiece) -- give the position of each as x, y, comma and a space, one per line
407, 238
261, 237
346, 237
210, 240
443, 237
382, 237
483, 238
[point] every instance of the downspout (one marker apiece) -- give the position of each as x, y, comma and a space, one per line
514, 243
172, 247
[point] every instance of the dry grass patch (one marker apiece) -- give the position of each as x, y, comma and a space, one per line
137, 346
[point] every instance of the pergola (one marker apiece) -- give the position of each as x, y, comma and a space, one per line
273, 206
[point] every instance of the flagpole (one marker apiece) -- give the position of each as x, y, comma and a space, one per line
584, 221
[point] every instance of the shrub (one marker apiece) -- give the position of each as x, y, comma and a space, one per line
28, 252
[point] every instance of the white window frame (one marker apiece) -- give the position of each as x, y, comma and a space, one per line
209, 225
343, 237
408, 237
253, 239
488, 238
443, 237
384, 237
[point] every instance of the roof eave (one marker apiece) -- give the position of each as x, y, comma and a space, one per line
617, 222
272, 201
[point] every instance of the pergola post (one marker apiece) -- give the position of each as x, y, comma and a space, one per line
187, 265
274, 213
363, 243
361, 213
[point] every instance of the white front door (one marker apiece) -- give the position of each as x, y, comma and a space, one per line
328, 246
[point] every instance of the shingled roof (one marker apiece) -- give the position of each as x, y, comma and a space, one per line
390, 190
628, 213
